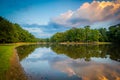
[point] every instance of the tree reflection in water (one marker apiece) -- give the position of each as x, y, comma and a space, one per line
75, 51
88, 51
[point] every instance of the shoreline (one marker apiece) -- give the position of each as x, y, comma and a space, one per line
64, 43
81, 43
15, 67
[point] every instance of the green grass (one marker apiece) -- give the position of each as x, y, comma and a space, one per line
97, 43
6, 52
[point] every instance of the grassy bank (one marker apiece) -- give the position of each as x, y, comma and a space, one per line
6, 52
94, 43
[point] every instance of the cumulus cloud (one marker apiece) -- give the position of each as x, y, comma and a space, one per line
90, 13
96, 14
63, 18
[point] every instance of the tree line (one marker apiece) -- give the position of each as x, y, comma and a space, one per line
86, 34
10, 33
76, 35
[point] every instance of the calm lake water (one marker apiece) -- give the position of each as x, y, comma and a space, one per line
70, 62
64, 62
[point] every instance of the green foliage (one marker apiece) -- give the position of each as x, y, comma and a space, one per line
114, 33
76, 35
103, 35
58, 37
42, 39
87, 34
10, 33
94, 35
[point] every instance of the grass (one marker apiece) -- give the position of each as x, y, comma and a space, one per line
103, 43
6, 51
94, 43
5, 55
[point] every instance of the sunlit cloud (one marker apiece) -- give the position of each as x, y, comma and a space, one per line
87, 70
62, 19
65, 68
90, 13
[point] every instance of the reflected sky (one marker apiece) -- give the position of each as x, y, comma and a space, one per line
45, 64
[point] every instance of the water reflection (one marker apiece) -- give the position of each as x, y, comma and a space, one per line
25, 50
114, 52
88, 51
66, 62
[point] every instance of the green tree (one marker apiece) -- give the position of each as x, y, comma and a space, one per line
114, 33
87, 33
58, 37
10, 33
94, 35
103, 34
77, 35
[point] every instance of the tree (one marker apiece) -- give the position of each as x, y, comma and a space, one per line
114, 33
77, 35
10, 33
103, 34
87, 33
94, 35
58, 37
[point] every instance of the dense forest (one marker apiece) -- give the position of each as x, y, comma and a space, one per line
86, 34
10, 33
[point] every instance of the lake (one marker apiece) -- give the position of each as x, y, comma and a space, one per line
67, 62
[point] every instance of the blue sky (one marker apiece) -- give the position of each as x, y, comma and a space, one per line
24, 11
43, 18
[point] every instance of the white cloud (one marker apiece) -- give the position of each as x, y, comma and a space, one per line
43, 31
34, 30
90, 13
38, 32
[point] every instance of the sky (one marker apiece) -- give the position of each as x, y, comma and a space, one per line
43, 18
